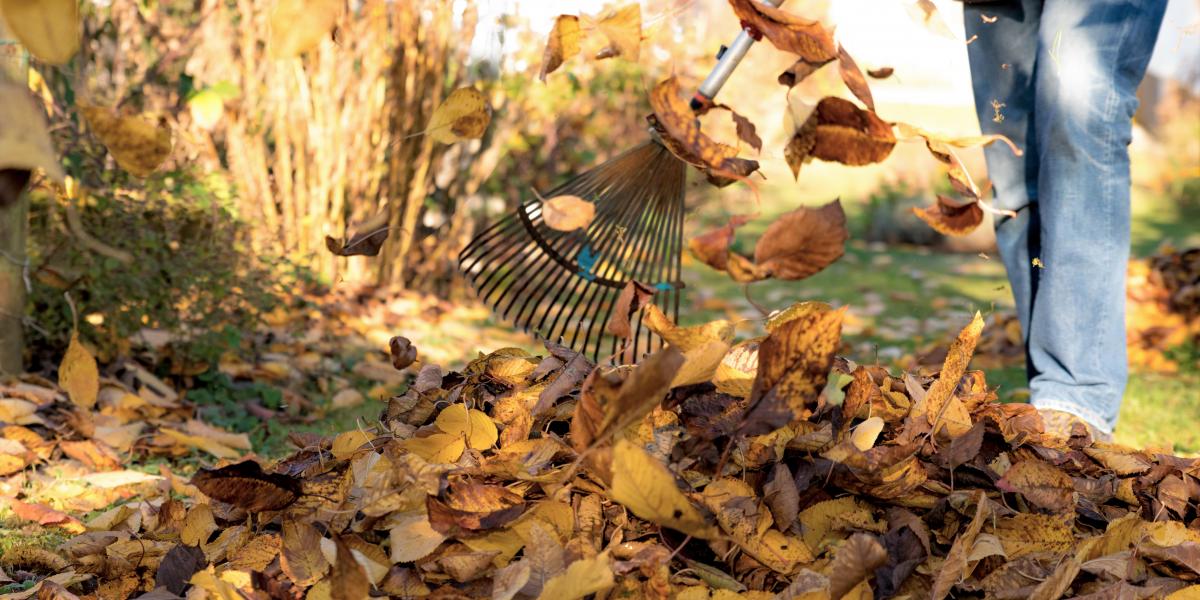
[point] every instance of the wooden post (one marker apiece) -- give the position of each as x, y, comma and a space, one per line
14, 64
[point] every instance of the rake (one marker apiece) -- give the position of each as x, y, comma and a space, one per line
563, 286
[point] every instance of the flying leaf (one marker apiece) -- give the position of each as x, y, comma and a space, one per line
24, 141
925, 13
49, 29
712, 248
568, 213
464, 114
297, 26
800, 147
563, 43
1043, 484
793, 365
644, 485
950, 218
622, 27
403, 352
364, 239
247, 486
800, 70
633, 297
139, 143
78, 375
881, 72
853, 78
680, 132
802, 242
808, 39
850, 135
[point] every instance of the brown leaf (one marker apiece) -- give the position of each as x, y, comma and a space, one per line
680, 132
633, 297
466, 508
801, 243
793, 364
364, 239
790, 33
178, 566
800, 147
853, 78
403, 352
44, 515
347, 579
964, 447
746, 130
300, 556
247, 486
949, 218
849, 135
881, 72
712, 248
1041, 483
855, 562
564, 42
781, 496
800, 70
955, 567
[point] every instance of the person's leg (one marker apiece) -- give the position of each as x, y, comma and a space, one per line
1091, 57
1003, 70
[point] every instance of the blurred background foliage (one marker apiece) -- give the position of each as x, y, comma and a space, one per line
272, 155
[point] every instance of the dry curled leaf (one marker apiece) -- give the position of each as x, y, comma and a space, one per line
464, 114
363, 239
680, 132
403, 352
849, 135
802, 242
853, 78
881, 72
948, 217
1041, 483
800, 70
786, 31
473, 507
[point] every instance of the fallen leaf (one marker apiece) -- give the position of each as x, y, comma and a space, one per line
864, 435
247, 486
582, 577
644, 485
464, 114
49, 29
347, 577
1043, 484
177, 568
854, 562
473, 507
413, 538
300, 556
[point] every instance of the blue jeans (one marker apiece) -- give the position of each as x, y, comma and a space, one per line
1058, 78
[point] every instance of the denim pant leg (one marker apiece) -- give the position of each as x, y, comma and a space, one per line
1003, 58
1091, 57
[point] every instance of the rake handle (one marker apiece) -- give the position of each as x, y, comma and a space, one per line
726, 63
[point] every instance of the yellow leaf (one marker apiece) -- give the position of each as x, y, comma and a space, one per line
436, 448
464, 115
866, 433
563, 43
1191, 592
297, 26
24, 141
567, 213
646, 487
736, 371
479, 429
738, 510
240, 441
938, 408
139, 143
50, 29
623, 29
78, 374
206, 108
18, 412
198, 525
348, 443
582, 577
703, 346
210, 446
301, 558
413, 538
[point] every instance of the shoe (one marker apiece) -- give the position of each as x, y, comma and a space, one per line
1066, 426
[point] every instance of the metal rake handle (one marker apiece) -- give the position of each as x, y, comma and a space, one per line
728, 60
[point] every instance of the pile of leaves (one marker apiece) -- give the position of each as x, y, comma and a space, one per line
709, 470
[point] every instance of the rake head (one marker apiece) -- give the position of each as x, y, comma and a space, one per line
563, 286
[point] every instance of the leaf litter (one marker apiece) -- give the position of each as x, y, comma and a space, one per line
633, 482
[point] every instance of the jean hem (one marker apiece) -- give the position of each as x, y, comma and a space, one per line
1092, 417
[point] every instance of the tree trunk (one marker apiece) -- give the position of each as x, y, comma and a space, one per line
12, 284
